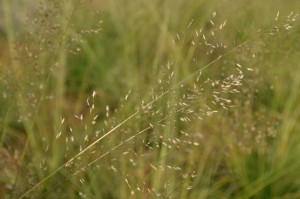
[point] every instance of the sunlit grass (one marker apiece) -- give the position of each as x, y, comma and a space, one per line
150, 99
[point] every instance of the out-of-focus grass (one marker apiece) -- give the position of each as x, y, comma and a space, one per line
249, 151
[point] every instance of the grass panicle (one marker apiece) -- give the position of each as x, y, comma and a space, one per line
141, 102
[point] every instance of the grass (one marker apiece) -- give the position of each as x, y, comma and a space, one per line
149, 99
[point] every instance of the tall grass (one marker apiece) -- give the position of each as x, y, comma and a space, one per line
150, 99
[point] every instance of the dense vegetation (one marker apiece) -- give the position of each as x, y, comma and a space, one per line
149, 99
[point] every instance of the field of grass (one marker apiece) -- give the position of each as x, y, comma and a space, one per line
147, 99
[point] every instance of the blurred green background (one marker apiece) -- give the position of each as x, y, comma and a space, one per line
55, 54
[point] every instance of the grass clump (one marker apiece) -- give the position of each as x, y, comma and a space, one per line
135, 100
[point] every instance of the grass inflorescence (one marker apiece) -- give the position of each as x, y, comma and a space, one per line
148, 99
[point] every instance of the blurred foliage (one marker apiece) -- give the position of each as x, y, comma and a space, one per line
55, 55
